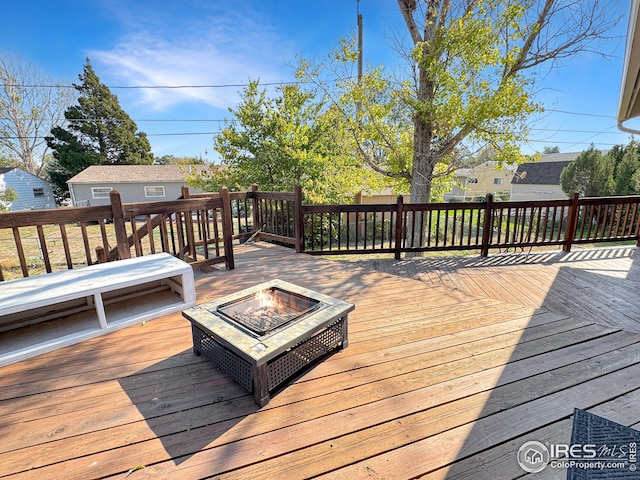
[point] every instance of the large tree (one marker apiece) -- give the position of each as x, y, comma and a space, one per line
97, 131
469, 84
474, 69
30, 105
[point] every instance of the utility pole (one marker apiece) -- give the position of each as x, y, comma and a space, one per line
360, 23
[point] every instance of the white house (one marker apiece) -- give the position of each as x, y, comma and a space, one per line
34, 193
135, 183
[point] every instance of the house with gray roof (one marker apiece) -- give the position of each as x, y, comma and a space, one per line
135, 183
34, 193
541, 180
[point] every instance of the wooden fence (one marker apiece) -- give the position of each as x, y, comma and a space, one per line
481, 226
197, 230
202, 228
401, 227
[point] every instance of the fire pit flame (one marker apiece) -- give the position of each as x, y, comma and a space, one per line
266, 300
268, 309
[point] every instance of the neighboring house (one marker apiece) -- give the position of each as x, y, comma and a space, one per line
34, 193
480, 180
135, 183
472, 183
541, 180
385, 196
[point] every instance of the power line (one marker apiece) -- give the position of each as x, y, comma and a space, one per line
582, 114
572, 143
176, 120
168, 87
176, 134
551, 130
181, 133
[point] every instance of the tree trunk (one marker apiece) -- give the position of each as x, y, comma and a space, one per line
420, 191
422, 169
423, 159
423, 165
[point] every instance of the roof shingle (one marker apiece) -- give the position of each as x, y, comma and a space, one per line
135, 173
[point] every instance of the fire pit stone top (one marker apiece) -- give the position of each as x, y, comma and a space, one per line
320, 310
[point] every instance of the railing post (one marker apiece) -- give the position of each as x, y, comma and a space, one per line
227, 231
572, 223
487, 231
298, 216
256, 213
188, 221
117, 212
637, 231
399, 227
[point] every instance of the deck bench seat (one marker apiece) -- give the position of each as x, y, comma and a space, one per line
42, 313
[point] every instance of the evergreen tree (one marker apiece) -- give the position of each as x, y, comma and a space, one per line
591, 174
98, 132
627, 171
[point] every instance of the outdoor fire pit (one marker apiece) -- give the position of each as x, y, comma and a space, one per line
266, 335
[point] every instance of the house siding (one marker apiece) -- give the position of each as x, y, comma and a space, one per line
537, 192
130, 182
24, 184
82, 193
485, 174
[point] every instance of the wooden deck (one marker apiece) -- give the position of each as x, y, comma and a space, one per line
445, 377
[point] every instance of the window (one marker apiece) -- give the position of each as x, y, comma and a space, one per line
100, 192
154, 191
38, 192
497, 181
473, 180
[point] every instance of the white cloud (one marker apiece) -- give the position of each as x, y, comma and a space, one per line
204, 48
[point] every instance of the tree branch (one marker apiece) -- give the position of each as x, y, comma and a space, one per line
407, 8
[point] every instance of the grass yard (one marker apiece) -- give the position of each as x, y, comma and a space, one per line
31, 244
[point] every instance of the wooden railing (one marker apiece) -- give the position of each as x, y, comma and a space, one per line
197, 230
201, 228
272, 216
482, 226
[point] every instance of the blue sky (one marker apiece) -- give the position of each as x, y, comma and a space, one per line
157, 42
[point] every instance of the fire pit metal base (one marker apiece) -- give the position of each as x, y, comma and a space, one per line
262, 364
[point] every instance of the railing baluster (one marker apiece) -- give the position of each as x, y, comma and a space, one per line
43, 249
21, 257
65, 245
105, 239
85, 242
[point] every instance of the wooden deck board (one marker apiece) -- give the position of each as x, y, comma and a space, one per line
437, 382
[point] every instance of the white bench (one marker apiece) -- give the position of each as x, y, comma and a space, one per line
39, 314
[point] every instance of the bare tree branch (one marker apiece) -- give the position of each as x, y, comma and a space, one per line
28, 113
564, 28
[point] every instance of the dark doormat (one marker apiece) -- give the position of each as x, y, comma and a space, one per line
602, 449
